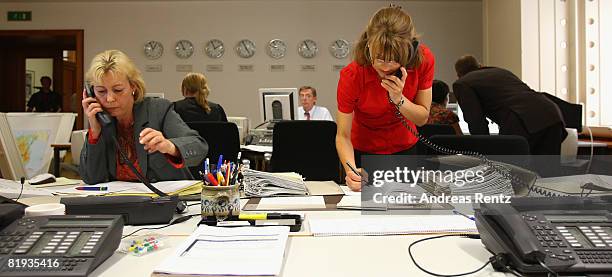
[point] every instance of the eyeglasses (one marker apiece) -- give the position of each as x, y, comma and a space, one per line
380, 62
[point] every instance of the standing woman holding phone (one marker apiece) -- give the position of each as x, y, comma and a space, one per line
370, 94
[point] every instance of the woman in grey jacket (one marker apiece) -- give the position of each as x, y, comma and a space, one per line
151, 134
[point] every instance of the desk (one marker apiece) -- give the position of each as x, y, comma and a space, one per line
326, 256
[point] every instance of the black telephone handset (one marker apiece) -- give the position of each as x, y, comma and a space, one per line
509, 223
103, 117
413, 54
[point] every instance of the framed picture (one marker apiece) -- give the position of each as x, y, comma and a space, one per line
29, 84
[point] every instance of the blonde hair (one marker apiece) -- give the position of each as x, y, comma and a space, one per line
116, 62
196, 83
388, 36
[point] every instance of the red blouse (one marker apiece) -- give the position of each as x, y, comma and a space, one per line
126, 141
375, 127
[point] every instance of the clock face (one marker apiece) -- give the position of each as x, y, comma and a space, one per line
339, 48
184, 49
308, 48
245, 48
277, 48
153, 49
214, 48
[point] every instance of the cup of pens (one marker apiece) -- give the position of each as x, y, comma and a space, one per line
220, 190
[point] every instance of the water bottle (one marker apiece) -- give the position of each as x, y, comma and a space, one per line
246, 164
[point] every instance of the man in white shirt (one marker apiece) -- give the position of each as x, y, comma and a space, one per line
308, 110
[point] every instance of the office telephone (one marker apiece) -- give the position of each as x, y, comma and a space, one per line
549, 234
59, 245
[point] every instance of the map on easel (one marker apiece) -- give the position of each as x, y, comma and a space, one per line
33, 148
32, 136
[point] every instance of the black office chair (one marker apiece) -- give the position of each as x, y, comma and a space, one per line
572, 113
429, 130
483, 144
222, 138
307, 147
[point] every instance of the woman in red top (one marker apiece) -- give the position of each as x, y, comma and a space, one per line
369, 94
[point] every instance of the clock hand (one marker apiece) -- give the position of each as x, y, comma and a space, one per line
338, 44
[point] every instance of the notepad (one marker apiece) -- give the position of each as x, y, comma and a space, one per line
391, 225
218, 251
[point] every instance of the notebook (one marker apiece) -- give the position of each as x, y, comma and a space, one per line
265, 184
572, 186
391, 225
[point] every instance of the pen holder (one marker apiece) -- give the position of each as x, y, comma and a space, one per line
220, 201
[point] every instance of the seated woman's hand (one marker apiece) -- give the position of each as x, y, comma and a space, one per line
154, 140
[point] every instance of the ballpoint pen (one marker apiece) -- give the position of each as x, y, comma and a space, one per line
464, 215
92, 188
353, 169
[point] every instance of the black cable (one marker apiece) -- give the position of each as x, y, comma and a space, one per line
21, 191
267, 121
500, 169
193, 204
550, 271
442, 236
141, 178
173, 222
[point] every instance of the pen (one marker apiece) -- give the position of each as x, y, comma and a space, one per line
220, 162
211, 179
464, 215
206, 167
92, 188
353, 169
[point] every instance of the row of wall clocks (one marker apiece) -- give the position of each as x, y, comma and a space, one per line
245, 48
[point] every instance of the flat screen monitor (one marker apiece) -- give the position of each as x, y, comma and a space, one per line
276, 104
493, 127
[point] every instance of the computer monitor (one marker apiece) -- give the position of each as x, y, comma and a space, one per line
454, 107
276, 104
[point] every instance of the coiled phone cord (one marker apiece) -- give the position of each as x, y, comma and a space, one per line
441, 149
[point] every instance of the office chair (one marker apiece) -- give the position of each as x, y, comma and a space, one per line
222, 138
307, 147
429, 130
510, 149
483, 144
572, 113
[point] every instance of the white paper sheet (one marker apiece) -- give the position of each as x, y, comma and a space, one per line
128, 187
229, 251
11, 189
288, 203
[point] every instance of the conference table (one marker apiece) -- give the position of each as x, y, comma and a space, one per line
307, 255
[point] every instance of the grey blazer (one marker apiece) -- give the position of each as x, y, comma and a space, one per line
98, 161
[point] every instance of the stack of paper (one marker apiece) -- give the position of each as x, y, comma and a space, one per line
245, 251
391, 225
264, 184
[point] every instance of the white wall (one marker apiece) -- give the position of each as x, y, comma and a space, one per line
450, 28
41, 67
502, 34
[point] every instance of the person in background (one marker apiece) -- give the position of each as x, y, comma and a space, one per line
438, 113
45, 100
498, 94
373, 102
196, 106
148, 131
309, 110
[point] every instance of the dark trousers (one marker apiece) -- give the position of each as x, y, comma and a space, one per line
544, 142
358, 154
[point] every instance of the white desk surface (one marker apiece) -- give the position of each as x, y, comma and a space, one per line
325, 256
